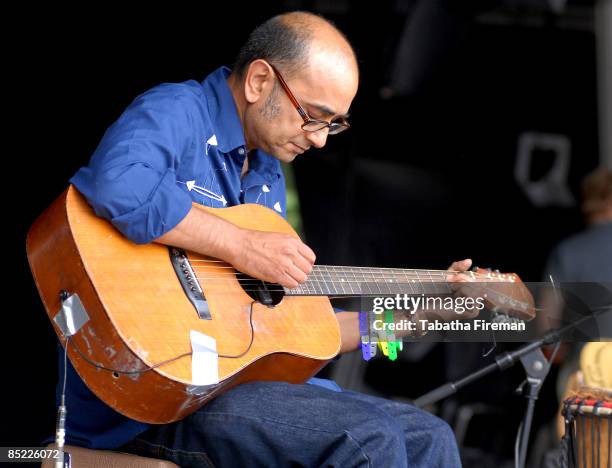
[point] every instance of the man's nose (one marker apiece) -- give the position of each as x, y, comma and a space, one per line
318, 138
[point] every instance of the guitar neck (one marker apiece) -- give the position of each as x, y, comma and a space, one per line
339, 281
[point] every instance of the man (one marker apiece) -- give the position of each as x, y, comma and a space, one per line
220, 143
583, 262
587, 256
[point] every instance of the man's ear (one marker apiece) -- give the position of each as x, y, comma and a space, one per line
259, 78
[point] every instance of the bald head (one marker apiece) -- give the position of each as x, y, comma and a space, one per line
297, 42
294, 68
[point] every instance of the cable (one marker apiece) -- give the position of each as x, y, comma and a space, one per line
250, 342
60, 425
119, 371
516, 445
63, 400
159, 364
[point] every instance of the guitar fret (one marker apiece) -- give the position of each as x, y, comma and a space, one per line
330, 283
321, 281
341, 281
367, 281
348, 279
324, 282
307, 286
419, 282
392, 283
377, 285
334, 279
355, 282
405, 278
432, 285
385, 281
360, 280
314, 283
401, 281
398, 281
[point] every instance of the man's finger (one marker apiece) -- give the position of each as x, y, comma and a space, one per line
295, 273
288, 282
461, 265
307, 253
302, 264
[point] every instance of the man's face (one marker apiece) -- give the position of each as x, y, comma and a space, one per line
324, 95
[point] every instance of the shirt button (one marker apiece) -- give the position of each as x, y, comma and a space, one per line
240, 151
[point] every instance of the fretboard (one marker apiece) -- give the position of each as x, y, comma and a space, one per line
361, 281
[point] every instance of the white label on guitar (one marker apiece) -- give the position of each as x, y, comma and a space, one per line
204, 359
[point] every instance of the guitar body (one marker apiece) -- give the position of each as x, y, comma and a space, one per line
139, 314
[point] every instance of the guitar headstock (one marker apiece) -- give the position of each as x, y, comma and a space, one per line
504, 292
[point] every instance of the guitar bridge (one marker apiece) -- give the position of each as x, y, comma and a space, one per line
189, 282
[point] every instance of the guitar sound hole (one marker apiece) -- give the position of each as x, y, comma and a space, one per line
269, 294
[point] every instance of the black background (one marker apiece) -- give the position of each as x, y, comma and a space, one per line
418, 182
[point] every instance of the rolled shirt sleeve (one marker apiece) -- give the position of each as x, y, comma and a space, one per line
131, 179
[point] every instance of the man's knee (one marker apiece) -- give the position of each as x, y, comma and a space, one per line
435, 444
444, 434
382, 442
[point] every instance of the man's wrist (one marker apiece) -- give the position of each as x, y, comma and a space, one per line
232, 243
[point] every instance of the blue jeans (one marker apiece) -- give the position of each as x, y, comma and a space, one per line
276, 424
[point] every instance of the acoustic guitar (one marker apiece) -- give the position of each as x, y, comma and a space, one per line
133, 315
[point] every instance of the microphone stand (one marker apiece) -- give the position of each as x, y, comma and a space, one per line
536, 367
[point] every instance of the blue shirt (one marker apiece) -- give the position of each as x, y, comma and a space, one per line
175, 144
587, 257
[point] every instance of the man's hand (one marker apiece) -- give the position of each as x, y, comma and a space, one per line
460, 289
274, 257
461, 265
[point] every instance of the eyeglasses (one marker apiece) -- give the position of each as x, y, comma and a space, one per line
312, 125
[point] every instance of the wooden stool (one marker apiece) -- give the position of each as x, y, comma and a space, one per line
90, 458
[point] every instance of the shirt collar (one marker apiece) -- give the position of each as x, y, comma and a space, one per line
266, 166
228, 128
223, 112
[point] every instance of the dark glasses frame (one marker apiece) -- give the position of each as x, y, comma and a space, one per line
311, 125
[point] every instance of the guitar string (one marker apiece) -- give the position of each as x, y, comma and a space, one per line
389, 274
341, 268
389, 280
381, 274
329, 279
394, 272
328, 269
313, 279
335, 277
338, 286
